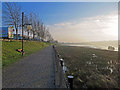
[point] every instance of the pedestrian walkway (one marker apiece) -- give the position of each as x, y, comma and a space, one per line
35, 71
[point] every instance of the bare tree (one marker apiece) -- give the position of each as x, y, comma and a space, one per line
48, 36
42, 32
34, 24
11, 15
31, 22
38, 28
27, 21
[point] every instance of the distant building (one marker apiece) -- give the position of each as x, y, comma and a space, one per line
6, 32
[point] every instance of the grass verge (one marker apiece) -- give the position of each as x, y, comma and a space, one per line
10, 55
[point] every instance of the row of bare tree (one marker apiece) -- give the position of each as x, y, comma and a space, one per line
12, 16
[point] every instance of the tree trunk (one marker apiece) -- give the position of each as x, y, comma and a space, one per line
16, 33
28, 34
33, 35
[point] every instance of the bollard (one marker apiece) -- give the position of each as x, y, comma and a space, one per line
61, 62
58, 55
70, 81
53, 46
64, 68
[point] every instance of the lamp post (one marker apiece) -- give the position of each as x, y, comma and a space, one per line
28, 27
22, 30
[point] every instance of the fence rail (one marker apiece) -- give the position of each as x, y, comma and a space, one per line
62, 80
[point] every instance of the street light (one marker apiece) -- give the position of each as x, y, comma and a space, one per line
29, 27
22, 30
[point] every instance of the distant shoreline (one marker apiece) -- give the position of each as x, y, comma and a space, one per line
89, 46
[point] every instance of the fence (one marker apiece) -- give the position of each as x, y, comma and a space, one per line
61, 79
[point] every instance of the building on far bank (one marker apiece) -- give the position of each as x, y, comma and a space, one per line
6, 32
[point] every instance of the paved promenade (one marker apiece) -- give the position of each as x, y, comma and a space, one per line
35, 71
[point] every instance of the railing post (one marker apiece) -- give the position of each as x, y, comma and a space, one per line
61, 62
53, 46
70, 81
58, 55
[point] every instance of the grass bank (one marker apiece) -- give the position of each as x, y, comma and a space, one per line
92, 68
10, 55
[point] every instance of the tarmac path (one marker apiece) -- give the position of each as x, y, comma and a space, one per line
35, 71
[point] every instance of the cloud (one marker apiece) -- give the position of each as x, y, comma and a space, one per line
98, 28
63, 24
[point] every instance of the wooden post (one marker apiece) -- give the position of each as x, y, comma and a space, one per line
70, 81
61, 62
58, 56
53, 47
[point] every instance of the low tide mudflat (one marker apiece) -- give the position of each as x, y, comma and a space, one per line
91, 68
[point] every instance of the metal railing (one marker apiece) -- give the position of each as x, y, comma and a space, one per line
62, 80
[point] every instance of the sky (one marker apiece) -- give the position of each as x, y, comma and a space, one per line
77, 21
60, 0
